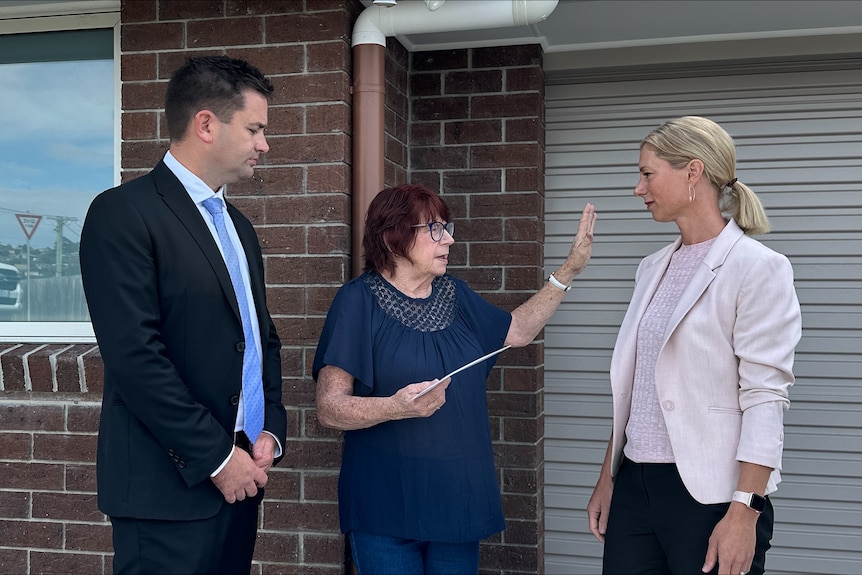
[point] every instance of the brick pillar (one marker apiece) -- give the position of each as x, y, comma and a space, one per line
396, 114
477, 135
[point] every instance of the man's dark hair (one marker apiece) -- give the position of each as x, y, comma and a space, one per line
214, 83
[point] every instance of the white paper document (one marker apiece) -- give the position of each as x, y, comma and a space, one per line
460, 369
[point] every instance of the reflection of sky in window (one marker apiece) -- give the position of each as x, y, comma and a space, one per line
56, 144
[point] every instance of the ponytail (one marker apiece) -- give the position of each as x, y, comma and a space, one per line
745, 208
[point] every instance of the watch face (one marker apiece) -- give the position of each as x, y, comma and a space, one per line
758, 502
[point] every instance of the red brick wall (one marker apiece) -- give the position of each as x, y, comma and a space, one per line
49, 414
469, 123
477, 134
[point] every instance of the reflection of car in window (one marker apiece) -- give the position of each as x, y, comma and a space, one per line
10, 288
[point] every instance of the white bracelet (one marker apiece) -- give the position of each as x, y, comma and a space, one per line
558, 284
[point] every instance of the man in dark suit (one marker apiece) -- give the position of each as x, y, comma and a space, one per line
192, 417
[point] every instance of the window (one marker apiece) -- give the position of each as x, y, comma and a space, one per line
59, 139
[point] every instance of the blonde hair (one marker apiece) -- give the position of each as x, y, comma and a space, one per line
687, 138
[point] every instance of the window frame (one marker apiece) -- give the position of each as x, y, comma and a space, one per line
54, 17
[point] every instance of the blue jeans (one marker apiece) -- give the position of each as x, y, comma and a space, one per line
382, 555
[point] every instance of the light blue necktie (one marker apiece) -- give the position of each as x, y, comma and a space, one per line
252, 382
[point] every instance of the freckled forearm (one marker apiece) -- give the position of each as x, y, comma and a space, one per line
529, 318
350, 412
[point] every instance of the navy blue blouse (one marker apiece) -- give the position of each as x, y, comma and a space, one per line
433, 478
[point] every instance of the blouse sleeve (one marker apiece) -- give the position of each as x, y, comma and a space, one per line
489, 323
346, 339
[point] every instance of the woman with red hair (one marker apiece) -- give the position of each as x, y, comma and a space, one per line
418, 489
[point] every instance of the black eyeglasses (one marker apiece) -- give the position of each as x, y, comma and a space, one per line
437, 228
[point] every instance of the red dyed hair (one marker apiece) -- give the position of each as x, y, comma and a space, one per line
389, 230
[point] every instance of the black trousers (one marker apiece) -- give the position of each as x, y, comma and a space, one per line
656, 528
222, 544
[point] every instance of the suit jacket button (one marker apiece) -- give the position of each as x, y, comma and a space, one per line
171, 452
234, 400
181, 464
240, 346
668, 405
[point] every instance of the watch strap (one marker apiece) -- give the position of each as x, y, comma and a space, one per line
753, 501
558, 284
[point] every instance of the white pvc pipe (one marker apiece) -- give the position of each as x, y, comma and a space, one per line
370, 31
376, 23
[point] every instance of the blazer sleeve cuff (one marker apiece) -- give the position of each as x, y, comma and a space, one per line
761, 439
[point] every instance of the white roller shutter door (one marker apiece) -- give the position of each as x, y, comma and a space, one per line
799, 147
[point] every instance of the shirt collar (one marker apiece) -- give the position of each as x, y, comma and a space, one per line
197, 189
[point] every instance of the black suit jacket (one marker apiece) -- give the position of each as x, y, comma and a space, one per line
170, 334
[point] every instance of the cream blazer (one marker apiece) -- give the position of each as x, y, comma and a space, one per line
725, 367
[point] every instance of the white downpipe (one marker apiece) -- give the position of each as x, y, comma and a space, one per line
376, 23
370, 31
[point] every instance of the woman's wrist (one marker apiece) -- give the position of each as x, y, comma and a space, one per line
555, 281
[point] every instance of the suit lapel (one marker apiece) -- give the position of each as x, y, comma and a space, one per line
649, 276
178, 201
704, 275
701, 279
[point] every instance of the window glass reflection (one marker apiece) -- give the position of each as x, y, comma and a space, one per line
56, 154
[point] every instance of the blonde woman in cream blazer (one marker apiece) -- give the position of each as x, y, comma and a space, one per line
699, 400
